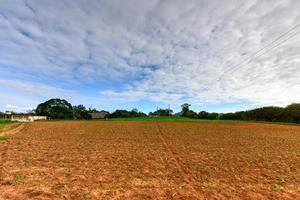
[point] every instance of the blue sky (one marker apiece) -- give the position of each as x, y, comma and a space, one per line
148, 54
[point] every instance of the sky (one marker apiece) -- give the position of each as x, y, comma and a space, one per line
217, 55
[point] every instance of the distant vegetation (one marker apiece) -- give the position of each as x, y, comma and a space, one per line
61, 109
290, 114
167, 118
80, 112
56, 109
155, 118
162, 112
125, 113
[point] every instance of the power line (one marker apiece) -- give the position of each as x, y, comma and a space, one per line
236, 68
252, 56
274, 41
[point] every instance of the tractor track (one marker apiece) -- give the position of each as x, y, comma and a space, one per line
177, 163
12, 129
9, 130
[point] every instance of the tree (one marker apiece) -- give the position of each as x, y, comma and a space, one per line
185, 108
92, 110
190, 114
125, 113
119, 113
293, 112
270, 113
80, 112
213, 116
56, 109
203, 115
162, 112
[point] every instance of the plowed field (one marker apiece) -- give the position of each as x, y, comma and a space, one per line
151, 160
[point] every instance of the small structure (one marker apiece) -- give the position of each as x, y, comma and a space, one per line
39, 118
5, 116
99, 115
27, 118
21, 117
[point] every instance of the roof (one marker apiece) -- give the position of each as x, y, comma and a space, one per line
98, 115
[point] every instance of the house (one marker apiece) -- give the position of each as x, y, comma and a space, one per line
21, 117
99, 115
4, 116
39, 118
27, 118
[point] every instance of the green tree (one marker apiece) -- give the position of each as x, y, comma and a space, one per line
92, 110
125, 113
191, 114
293, 112
185, 109
162, 112
56, 109
80, 112
203, 115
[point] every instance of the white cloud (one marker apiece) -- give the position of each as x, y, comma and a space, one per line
11, 106
162, 51
35, 88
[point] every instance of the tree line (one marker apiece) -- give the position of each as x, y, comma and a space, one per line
61, 109
289, 114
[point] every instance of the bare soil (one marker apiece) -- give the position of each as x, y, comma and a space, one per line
150, 160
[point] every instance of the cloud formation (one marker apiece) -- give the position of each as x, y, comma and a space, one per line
11, 106
160, 51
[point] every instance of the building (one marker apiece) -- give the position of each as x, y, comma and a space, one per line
99, 115
27, 118
22, 117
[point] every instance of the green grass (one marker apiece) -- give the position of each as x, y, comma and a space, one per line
5, 121
171, 118
3, 138
186, 119
15, 180
160, 118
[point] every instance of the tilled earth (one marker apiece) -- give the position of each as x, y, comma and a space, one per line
151, 160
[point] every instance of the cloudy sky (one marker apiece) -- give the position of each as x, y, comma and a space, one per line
218, 55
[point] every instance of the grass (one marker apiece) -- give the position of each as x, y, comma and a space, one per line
15, 180
160, 118
3, 138
2, 121
165, 118
171, 118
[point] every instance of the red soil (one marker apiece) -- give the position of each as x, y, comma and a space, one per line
151, 160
